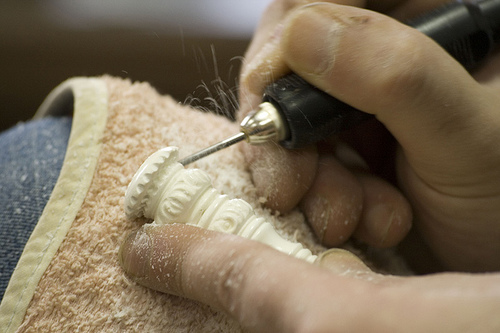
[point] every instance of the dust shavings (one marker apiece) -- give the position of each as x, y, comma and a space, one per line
220, 95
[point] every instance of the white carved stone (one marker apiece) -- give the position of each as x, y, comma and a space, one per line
163, 190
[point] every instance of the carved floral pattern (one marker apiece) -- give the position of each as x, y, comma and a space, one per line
163, 190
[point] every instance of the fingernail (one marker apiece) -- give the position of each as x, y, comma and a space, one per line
381, 219
135, 252
396, 225
341, 262
311, 39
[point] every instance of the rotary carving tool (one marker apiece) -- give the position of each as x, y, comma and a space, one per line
295, 113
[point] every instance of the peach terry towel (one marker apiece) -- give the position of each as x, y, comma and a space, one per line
68, 278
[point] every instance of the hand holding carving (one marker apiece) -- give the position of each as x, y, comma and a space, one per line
163, 190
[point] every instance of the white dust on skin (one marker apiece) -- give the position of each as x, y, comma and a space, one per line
220, 279
280, 176
333, 222
157, 258
143, 261
234, 281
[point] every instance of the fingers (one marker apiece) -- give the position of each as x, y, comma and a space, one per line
282, 177
257, 68
269, 29
274, 14
341, 203
445, 121
380, 66
387, 216
334, 203
265, 290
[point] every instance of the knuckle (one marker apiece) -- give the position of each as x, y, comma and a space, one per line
404, 68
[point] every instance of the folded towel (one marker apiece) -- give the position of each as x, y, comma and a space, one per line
68, 278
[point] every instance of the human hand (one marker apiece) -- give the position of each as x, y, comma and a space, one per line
268, 291
445, 121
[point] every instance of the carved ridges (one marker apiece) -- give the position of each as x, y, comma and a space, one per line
165, 191
146, 181
232, 216
178, 196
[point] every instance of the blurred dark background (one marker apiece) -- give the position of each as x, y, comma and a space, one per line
174, 44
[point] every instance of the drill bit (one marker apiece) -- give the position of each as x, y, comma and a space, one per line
295, 113
214, 148
259, 126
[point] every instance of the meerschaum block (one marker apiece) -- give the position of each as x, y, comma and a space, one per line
163, 190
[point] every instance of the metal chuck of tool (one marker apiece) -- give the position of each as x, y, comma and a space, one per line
258, 127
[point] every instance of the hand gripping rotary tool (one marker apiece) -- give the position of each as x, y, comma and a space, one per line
295, 113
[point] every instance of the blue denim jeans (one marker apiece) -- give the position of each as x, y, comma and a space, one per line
31, 157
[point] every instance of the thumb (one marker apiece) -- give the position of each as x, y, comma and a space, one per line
380, 66
265, 290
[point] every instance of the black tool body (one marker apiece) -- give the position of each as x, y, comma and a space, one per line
468, 30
